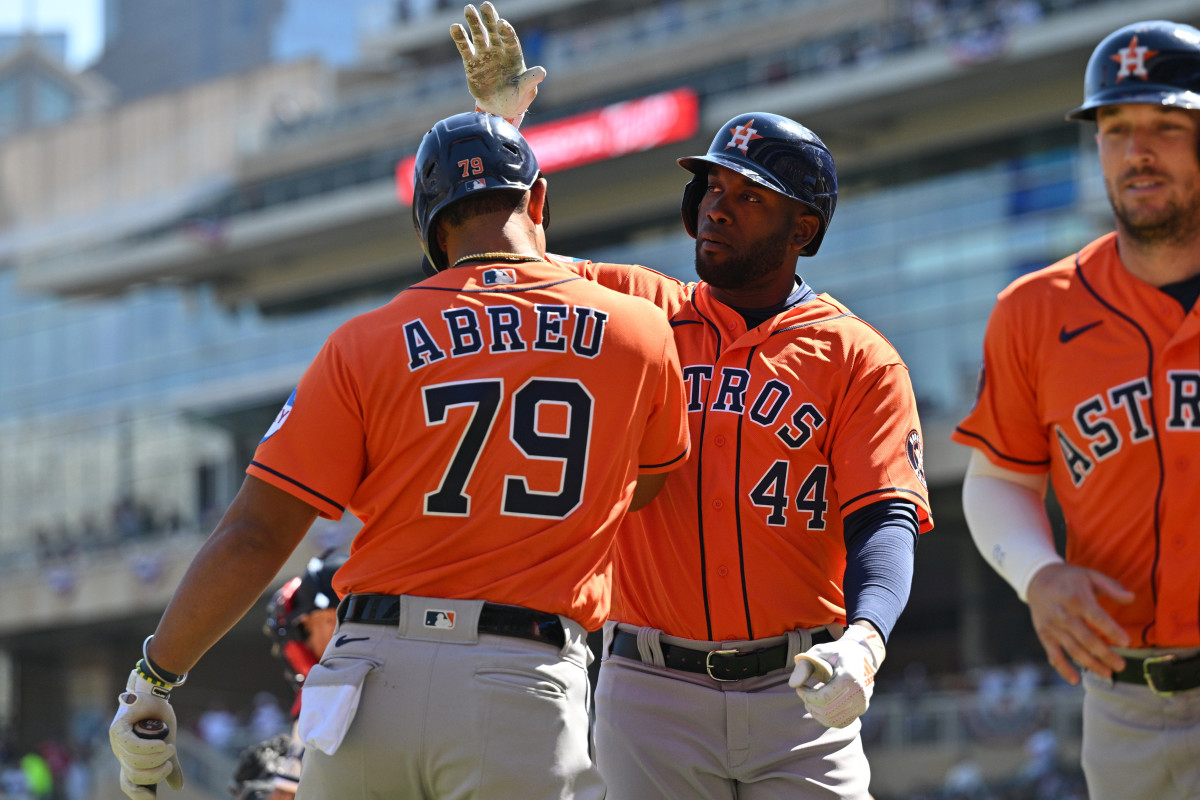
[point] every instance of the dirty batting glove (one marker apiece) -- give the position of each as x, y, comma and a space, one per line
144, 762
495, 65
836, 680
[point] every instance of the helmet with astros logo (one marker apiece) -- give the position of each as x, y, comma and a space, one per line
774, 151
466, 154
1155, 62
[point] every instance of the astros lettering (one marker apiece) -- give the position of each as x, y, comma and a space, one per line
1096, 419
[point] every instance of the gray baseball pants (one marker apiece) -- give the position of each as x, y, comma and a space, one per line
1137, 744
668, 734
448, 713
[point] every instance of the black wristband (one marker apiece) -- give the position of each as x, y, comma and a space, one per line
169, 678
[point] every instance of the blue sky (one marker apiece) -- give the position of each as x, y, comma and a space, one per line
80, 19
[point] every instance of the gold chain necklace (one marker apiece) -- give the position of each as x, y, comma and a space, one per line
497, 256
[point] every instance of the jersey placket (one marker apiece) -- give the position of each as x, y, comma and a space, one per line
721, 503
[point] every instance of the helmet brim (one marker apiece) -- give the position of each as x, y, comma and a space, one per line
700, 165
1151, 96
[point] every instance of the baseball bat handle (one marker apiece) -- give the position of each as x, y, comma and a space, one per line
151, 729
821, 670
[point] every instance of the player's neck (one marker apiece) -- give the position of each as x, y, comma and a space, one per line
771, 291
1160, 263
494, 249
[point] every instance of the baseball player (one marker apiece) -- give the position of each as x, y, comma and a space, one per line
301, 619
798, 510
1091, 383
475, 426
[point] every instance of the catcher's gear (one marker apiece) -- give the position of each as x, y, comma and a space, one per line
301, 595
269, 765
1155, 62
495, 65
144, 762
286, 609
836, 680
773, 151
464, 155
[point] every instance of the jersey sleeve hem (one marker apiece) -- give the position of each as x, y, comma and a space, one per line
924, 515
325, 506
665, 466
980, 443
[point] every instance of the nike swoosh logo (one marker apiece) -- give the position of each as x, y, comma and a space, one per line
344, 639
1065, 335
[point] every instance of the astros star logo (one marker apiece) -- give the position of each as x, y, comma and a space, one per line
1133, 60
916, 455
742, 136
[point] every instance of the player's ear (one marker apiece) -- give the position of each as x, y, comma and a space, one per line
538, 210
804, 227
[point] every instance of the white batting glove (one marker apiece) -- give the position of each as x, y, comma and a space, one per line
836, 680
144, 762
495, 65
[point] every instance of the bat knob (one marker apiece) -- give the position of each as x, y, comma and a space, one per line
151, 729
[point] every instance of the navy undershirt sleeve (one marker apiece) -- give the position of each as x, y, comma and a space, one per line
881, 545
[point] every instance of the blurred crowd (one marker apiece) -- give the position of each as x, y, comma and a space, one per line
1001, 706
1043, 776
232, 730
127, 521
51, 770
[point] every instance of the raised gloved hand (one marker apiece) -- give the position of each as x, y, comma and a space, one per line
144, 762
836, 680
495, 65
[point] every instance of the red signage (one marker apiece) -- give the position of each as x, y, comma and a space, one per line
608, 132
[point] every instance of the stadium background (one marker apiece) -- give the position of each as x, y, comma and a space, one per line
183, 221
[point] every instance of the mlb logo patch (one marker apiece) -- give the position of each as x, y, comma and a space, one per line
478, 183
437, 618
496, 277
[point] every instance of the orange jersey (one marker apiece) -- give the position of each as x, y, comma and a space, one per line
1094, 376
794, 424
487, 426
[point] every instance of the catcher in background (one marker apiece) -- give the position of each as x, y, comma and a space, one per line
777, 560
1091, 382
301, 618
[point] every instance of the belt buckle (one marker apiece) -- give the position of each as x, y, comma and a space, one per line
1146, 664
708, 665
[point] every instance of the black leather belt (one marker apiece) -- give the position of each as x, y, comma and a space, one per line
501, 620
720, 665
1164, 675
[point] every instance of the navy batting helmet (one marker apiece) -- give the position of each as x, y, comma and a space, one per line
778, 153
1155, 62
308, 592
463, 155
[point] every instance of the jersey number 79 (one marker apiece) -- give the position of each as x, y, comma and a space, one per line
484, 398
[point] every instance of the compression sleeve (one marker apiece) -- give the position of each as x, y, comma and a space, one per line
1009, 525
881, 544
